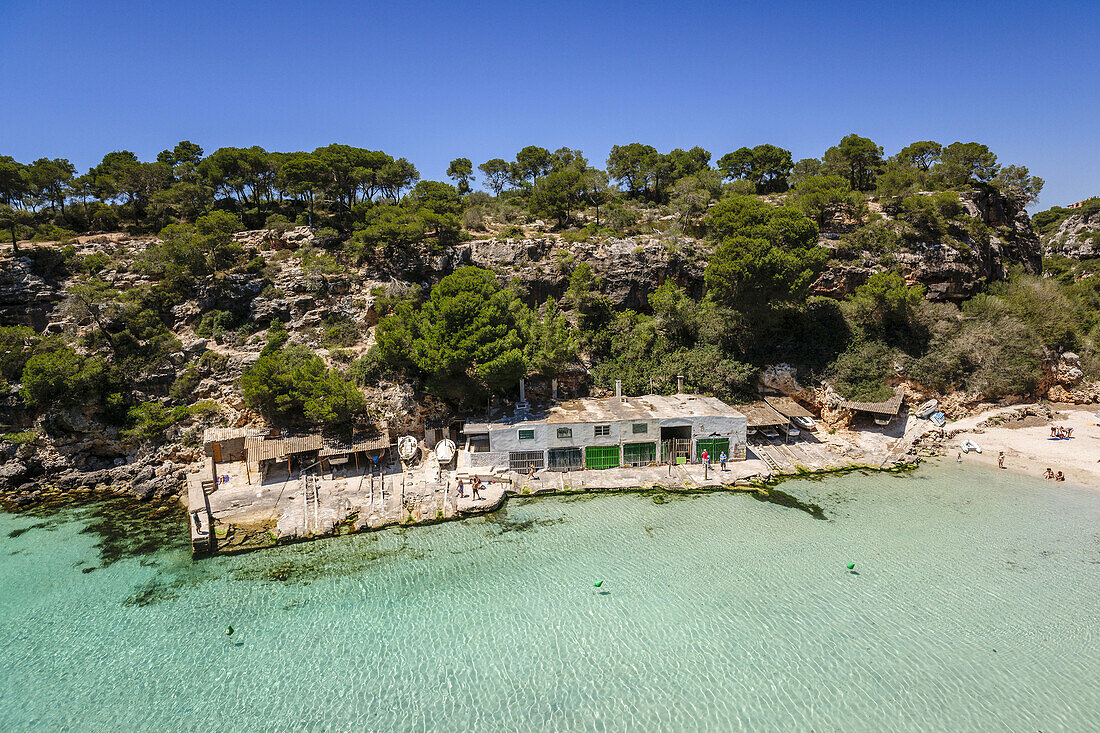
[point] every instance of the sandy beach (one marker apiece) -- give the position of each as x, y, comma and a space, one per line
1027, 444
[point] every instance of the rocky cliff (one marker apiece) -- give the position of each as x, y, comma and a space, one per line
1078, 237
68, 452
949, 269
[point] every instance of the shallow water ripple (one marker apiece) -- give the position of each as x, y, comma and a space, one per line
971, 607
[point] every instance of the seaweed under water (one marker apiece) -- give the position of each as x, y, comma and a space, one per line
127, 528
501, 523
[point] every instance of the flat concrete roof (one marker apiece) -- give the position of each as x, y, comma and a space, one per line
614, 409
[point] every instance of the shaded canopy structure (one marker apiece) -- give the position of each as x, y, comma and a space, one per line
788, 407
890, 407
762, 415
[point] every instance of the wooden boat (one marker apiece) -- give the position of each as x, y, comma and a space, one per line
938, 419
970, 445
806, 423
407, 447
445, 450
882, 421
927, 409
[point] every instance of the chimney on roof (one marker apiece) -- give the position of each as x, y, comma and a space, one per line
554, 389
619, 388
521, 406
679, 384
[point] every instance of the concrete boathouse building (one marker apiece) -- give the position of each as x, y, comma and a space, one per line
606, 433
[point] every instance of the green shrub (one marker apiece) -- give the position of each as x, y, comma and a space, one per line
292, 383
860, 372
95, 263
316, 261
62, 377
17, 345
990, 353
184, 385
21, 438
278, 224
211, 362
51, 263
150, 420
367, 369
214, 323
339, 331
878, 237
256, 265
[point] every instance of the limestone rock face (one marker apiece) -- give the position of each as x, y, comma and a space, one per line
1083, 394
781, 378
1015, 240
292, 238
1067, 371
11, 473
1077, 238
832, 414
234, 292
946, 272
631, 268
25, 298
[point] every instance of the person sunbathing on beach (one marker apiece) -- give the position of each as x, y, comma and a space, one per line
1049, 474
1059, 477
1069, 433
1053, 431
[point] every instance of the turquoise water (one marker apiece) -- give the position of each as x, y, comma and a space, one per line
973, 606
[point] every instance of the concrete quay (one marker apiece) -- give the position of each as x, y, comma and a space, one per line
248, 512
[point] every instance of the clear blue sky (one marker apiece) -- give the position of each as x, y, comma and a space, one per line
435, 81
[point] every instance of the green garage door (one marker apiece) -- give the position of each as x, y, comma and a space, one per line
601, 456
713, 446
639, 454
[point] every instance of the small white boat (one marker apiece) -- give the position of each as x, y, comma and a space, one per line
938, 419
445, 450
970, 445
927, 409
806, 423
407, 447
882, 421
